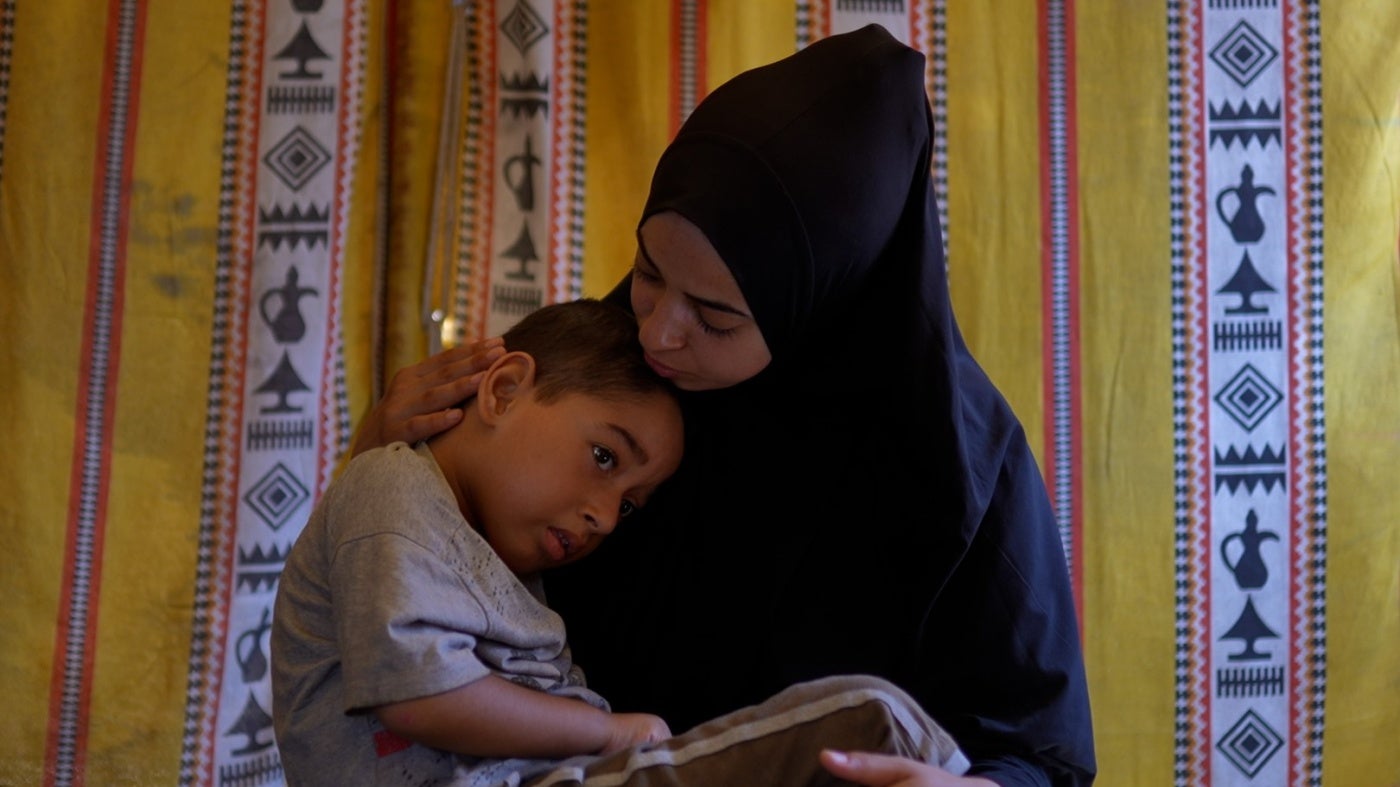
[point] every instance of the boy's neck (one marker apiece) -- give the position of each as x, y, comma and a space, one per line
454, 452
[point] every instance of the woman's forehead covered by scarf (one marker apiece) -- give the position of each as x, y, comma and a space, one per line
798, 172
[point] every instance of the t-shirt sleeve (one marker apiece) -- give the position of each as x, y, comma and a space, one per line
407, 625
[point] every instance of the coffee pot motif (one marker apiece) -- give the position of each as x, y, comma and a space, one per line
1246, 225
1248, 565
519, 174
248, 650
288, 326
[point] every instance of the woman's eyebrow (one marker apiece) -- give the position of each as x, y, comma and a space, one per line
708, 303
719, 306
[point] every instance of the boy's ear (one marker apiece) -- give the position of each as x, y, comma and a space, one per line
510, 379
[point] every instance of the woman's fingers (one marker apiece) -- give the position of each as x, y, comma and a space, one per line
441, 363
883, 770
421, 427
439, 381
457, 378
421, 398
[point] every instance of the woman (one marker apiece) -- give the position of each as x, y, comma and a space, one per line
856, 495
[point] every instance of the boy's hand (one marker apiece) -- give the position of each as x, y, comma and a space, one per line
629, 729
416, 406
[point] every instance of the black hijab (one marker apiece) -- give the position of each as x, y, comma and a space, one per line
867, 503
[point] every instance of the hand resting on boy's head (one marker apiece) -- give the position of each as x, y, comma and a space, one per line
422, 400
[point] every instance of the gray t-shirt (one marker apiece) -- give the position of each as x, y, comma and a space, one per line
389, 595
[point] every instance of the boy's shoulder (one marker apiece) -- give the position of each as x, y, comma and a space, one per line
388, 462
390, 480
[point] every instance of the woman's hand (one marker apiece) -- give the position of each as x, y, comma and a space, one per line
422, 398
887, 770
629, 729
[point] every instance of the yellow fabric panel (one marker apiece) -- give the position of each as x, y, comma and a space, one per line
745, 34
629, 124
1361, 134
419, 57
366, 235
629, 114
148, 567
1126, 393
45, 200
993, 232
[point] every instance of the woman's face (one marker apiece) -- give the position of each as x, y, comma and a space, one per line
695, 325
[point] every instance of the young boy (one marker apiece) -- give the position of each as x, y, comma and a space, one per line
411, 643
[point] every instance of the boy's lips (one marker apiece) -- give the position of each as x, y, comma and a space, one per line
560, 544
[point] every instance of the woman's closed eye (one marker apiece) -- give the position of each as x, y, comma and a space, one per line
712, 330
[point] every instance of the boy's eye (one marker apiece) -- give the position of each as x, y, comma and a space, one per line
604, 458
628, 509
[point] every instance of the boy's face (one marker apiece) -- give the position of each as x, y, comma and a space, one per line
563, 474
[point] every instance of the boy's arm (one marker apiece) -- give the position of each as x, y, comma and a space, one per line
492, 717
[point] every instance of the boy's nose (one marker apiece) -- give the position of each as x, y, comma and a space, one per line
601, 519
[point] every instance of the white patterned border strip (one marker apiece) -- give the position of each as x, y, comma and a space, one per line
278, 415
520, 231
1244, 108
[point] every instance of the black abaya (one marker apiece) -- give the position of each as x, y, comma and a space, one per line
868, 503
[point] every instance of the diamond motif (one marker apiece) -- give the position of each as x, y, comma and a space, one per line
523, 26
1248, 397
1243, 54
276, 496
1250, 744
297, 158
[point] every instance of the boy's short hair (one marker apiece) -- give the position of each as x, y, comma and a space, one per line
586, 347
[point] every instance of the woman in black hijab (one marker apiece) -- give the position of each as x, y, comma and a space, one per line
856, 495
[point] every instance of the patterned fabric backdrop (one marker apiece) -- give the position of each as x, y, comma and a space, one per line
1172, 230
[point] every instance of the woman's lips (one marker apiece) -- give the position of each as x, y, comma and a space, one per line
661, 368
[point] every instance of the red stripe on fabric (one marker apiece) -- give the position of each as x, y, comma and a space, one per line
699, 44
1296, 300
1072, 243
673, 99
478, 287
702, 46
1047, 268
1047, 251
921, 37
1197, 345
86, 374
325, 449
560, 196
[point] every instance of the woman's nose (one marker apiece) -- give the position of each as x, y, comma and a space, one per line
662, 329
